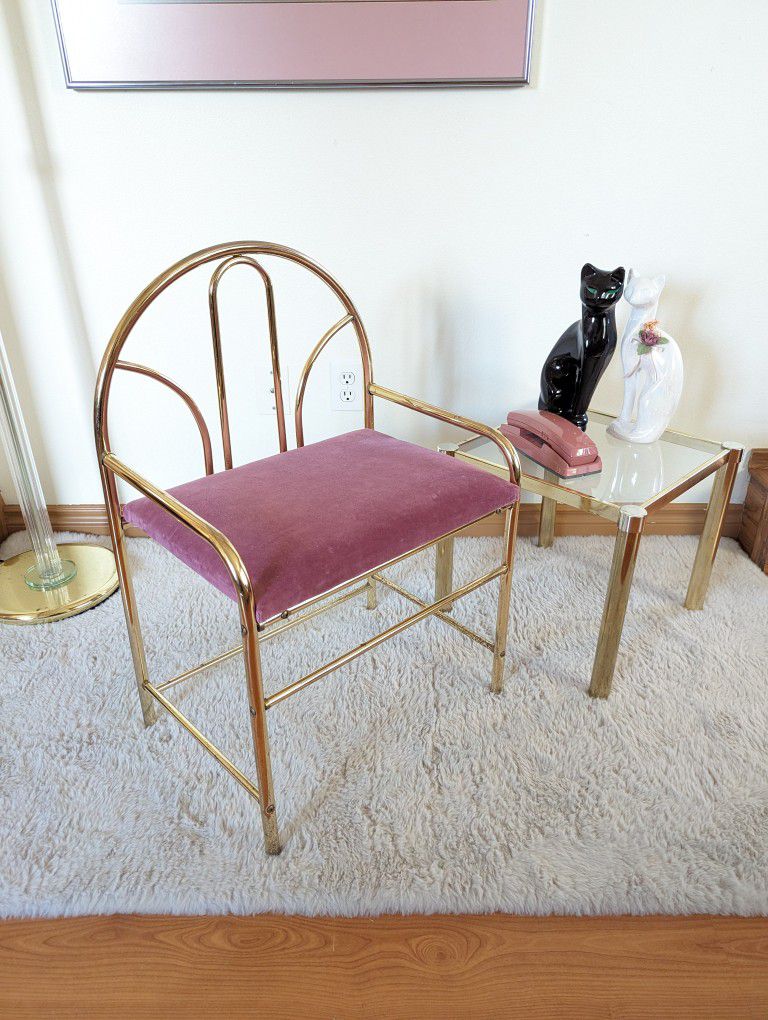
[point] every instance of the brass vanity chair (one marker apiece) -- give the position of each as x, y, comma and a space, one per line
228, 526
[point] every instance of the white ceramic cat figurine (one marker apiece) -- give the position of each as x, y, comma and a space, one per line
652, 363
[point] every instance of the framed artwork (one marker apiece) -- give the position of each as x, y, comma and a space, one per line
158, 44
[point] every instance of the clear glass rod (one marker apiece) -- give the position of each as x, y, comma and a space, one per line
51, 570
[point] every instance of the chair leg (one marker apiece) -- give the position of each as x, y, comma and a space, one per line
505, 591
444, 550
148, 706
259, 730
371, 594
444, 570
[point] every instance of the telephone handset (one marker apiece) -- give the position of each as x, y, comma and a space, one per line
553, 442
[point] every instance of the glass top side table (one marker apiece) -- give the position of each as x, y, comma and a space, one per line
636, 480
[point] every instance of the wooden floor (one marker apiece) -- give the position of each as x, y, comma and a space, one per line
391, 967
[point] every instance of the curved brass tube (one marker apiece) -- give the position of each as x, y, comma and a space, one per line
205, 436
308, 365
213, 304
112, 468
507, 449
190, 519
181, 268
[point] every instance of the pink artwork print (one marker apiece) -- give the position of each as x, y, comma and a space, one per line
293, 43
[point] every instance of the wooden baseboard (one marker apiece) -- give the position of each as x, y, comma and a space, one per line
673, 519
87, 518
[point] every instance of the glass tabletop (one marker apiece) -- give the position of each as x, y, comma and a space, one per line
632, 473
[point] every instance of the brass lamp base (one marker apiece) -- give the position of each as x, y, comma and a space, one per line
95, 580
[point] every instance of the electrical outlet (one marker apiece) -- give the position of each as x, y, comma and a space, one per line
346, 386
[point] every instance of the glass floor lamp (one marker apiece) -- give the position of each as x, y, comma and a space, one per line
49, 582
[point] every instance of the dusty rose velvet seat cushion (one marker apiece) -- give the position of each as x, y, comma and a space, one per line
309, 519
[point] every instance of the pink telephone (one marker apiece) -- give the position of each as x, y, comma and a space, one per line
553, 442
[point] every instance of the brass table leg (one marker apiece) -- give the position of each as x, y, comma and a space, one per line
371, 596
444, 550
625, 551
713, 528
547, 515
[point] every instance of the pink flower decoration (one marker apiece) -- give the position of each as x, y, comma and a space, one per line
648, 338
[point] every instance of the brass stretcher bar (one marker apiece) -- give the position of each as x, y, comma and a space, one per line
434, 608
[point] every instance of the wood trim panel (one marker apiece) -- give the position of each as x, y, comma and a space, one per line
673, 519
754, 523
421, 968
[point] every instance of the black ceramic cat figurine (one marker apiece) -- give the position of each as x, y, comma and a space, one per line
581, 355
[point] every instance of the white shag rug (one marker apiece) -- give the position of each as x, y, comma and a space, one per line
402, 784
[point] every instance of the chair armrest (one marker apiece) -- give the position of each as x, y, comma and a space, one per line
507, 449
188, 518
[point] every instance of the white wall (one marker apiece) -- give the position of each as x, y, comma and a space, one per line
457, 219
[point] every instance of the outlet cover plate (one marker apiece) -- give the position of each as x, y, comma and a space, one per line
346, 385
264, 393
